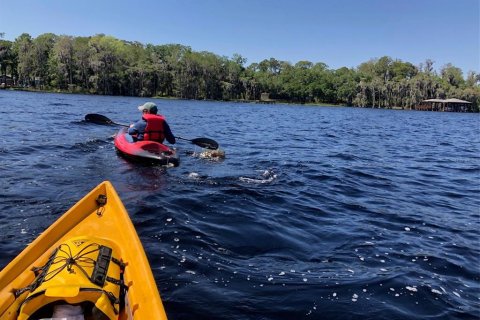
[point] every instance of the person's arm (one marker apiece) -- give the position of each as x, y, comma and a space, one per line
168, 133
137, 128
132, 130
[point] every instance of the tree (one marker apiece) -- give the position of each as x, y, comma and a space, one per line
105, 65
473, 79
6, 58
344, 83
42, 48
427, 67
137, 77
452, 75
106, 57
403, 70
81, 59
63, 61
232, 83
23, 49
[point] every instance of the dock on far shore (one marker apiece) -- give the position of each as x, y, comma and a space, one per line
265, 98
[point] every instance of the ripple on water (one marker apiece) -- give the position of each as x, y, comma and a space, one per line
362, 214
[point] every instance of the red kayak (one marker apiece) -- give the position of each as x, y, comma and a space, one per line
149, 151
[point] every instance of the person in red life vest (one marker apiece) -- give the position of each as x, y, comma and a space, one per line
152, 126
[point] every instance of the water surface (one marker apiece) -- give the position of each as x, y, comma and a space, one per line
316, 213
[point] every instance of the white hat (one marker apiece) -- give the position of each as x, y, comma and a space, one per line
150, 106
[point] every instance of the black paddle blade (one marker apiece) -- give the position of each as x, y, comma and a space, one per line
205, 143
97, 118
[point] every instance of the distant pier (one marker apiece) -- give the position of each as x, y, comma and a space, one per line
445, 105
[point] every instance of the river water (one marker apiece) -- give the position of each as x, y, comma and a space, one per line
315, 213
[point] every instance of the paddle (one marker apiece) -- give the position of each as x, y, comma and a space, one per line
201, 142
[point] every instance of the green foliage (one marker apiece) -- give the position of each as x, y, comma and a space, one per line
42, 49
105, 65
7, 58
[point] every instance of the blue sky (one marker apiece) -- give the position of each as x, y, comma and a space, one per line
337, 32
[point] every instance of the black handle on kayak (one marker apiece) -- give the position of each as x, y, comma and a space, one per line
201, 142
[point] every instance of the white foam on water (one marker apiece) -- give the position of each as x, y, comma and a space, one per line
437, 291
267, 177
193, 175
251, 180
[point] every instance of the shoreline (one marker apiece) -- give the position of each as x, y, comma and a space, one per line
270, 101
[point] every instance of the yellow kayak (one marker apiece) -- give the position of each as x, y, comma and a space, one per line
89, 264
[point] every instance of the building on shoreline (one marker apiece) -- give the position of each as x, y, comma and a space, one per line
6, 81
265, 98
445, 105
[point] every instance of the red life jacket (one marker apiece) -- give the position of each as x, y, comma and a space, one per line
155, 129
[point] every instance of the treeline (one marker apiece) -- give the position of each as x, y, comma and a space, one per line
105, 65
